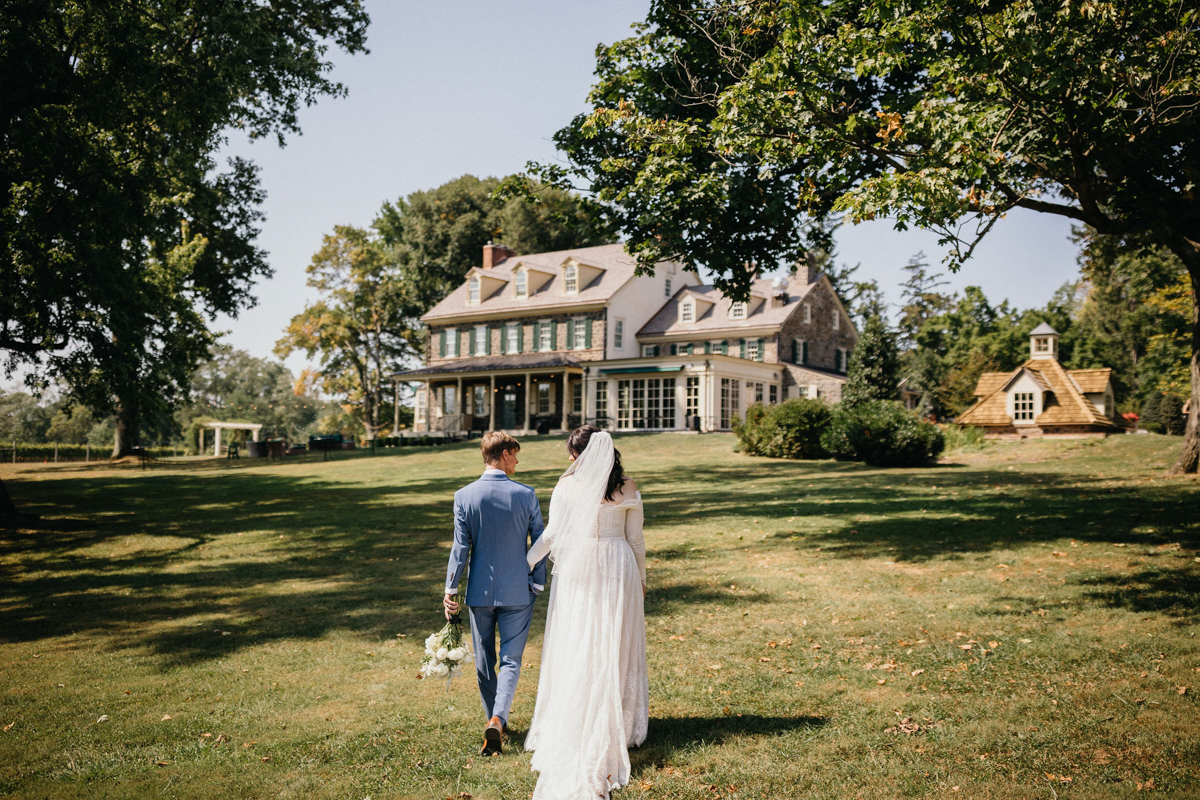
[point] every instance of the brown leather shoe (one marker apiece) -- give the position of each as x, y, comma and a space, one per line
492, 735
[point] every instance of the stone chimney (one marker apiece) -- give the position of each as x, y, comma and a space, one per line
806, 271
493, 254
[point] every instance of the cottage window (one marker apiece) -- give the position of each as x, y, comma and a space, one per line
687, 311
807, 313
422, 398
479, 404
473, 289
619, 334
1023, 406
545, 336
1041, 344
801, 391
511, 334
580, 333
449, 399
522, 283
571, 279
737, 311
602, 403
543, 398
836, 319
774, 394
649, 351
668, 288
692, 398
481, 342
451, 343
752, 350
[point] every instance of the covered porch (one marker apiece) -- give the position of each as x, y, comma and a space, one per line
519, 394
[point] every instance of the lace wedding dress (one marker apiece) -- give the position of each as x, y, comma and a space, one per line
593, 689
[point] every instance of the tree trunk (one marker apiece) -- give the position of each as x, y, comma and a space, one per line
1189, 459
127, 424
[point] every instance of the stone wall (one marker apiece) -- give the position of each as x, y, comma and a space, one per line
822, 339
829, 387
496, 330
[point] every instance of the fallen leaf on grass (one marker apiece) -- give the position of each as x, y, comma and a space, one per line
993, 645
905, 726
165, 718
8, 727
103, 718
965, 646
647, 785
1148, 786
916, 672
1180, 689
249, 744
265, 759
222, 738
1050, 776
206, 736
163, 763
764, 659
881, 681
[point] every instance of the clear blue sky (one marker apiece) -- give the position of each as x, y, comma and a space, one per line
467, 86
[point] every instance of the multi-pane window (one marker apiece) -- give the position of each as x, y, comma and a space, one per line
522, 283
735, 398
512, 340
601, 402
719, 348
480, 401
737, 311
543, 398
481, 343
837, 319
449, 399
757, 388
421, 400
571, 279
752, 349
807, 313
774, 394
692, 397
801, 391
580, 333
545, 336
1041, 344
727, 388
1023, 405
473, 290
451, 343
799, 351
687, 312
576, 397
668, 287
649, 350
619, 334
646, 403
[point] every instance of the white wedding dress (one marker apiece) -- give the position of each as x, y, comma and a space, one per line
593, 690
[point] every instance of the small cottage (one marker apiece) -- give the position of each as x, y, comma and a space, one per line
1041, 398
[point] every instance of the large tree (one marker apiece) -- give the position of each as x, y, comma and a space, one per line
719, 127
110, 117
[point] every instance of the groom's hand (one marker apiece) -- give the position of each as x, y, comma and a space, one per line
449, 604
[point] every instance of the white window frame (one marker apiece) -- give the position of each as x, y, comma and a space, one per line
545, 341
521, 284
479, 400
452, 342
512, 338
752, 349
1041, 344
449, 399
571, 279
687, 311
807, 314
473, 289
649, 350
738, 310
837, 319
667, 291
422, 398
545, 392
579, 331
481, 343
1024, 406
619, 333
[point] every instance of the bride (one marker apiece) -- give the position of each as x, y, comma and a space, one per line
593, 691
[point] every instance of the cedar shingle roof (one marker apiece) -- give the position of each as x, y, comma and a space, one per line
1069, 406
618, 268
1091, 380
716, 317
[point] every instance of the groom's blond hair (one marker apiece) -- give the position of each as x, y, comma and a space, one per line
495, 444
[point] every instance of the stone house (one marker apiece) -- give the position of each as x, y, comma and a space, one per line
1041, 398
552, 340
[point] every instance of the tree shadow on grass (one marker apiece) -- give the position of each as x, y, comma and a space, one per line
667, 736
1173, 592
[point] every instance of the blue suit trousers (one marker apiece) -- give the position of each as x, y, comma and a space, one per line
498, 682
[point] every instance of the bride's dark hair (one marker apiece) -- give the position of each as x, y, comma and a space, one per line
577, 442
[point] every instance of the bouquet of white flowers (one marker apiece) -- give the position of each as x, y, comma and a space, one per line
446, 652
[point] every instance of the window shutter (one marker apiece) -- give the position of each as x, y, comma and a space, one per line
795, 351
708, 348
520, 338
761, 348
442, 339
537, 336
587, 334
804, 354
725, 347
553, 335
487, 342
741, 348
837, 360
470, 341
570, 334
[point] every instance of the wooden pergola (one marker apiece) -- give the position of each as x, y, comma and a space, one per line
253, 427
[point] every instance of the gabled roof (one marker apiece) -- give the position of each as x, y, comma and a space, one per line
715, 317
617, 266
1070, 407
1043, 330
1091, 381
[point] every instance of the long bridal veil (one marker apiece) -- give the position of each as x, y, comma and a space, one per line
575, 507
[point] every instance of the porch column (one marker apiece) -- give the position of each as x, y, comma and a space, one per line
492, 404
583, 405
529, 398
217, 447
396, 407
565, 425
459, 406
199, 449
256, 430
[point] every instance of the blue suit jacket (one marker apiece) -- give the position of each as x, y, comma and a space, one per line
496, 520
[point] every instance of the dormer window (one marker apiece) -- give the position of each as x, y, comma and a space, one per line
687, 311
571, 279
737, 311
522, 283
473, 289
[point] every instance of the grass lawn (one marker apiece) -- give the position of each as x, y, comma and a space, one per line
1016, 622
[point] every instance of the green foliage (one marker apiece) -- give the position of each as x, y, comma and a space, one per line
1162, 413
874, 372
45, 453
791, 429
881, 433
963, 437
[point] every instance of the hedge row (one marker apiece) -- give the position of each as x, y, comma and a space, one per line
38, 453
881, 433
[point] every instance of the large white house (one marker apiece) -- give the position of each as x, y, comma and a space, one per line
552, 340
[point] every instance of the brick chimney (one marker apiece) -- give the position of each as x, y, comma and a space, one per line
493, 254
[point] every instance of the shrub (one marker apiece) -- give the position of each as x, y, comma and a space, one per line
882, 433
1163, 413
960, 437
791, 429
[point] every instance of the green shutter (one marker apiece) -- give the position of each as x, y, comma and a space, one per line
487, 341
741, 348
708, 348
804, 355
553, 335
442, 339
761, 348
725, 347
795, 351
570, 334
837, 360
470, 341
520, 338
537, 336
587, 334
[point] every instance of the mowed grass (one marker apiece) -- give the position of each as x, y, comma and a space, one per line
1016, 622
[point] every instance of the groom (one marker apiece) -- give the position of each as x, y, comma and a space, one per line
495, 521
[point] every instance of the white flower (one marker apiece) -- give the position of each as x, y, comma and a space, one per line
442, 670
442, 653
456, 654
